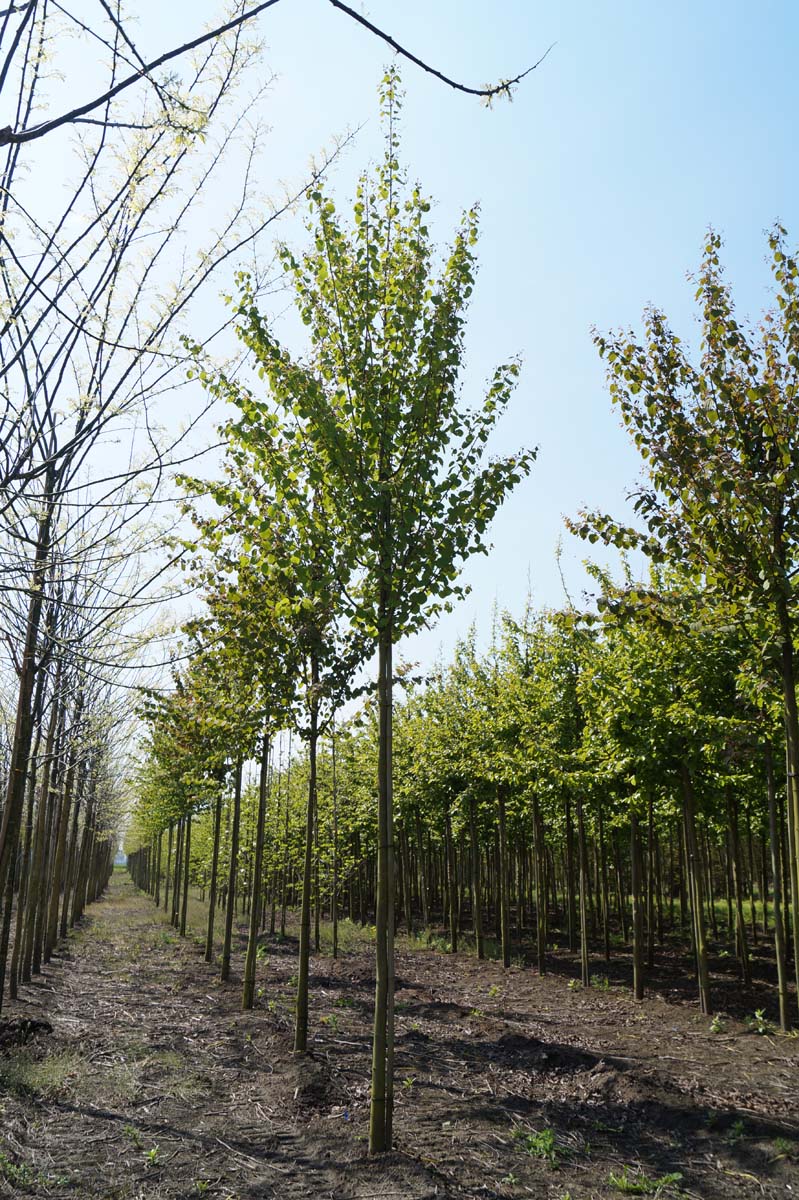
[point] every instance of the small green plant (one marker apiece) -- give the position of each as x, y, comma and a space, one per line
717, 1025
736, 1132
574, 985
201, 1186
637, 1183
477, 1013
759, 1023
21, 1176
262, 954
493, 991
540, 1144
343, 1002
131, 1132
408, 1082
153, 1157
331, 1020
600, 981
509, 1179
783, 1148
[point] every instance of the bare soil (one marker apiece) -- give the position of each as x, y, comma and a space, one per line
153, 1084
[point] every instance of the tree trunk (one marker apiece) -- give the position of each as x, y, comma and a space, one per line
248, 992
779, 936
382, 1100
504, 881
693, 855
735, 862
638, 914
477, 898
301, 1012
23, 728
582, 850
186, 866
233, 867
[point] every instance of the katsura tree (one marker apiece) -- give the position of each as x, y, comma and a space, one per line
381, 438
720, 443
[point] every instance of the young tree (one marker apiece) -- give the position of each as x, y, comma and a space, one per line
397, 461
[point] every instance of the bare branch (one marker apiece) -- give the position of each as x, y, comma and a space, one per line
486, 93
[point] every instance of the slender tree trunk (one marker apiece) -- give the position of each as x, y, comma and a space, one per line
650, 884
779, 936
251, 958
423, 873
452, 885
301, 1012
695, 881
5, 932
570, 905
638, 913
334, 898
22, 894
382, 1100
176, 882
477, 898
504, 881
604, 879
582, 850
157, 891
213, 885
540, 888
735, 862
23, 728
186, 866
61, 839
232, 873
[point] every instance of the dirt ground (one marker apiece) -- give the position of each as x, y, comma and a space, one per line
153, 1083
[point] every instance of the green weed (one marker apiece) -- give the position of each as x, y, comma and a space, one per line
21, 1176
131, 1132
24, 1178
759, 1023
638, 1183
539, 1144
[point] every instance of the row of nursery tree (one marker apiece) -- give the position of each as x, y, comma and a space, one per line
613, 771
600, 780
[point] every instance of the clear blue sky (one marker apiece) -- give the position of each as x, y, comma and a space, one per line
646, 124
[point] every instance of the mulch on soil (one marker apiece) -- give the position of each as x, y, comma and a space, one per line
153, 1084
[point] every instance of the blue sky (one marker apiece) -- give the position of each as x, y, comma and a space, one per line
645, 124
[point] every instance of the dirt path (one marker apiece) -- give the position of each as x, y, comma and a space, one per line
153, 1084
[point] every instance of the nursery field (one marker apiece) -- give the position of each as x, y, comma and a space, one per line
148, 1080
